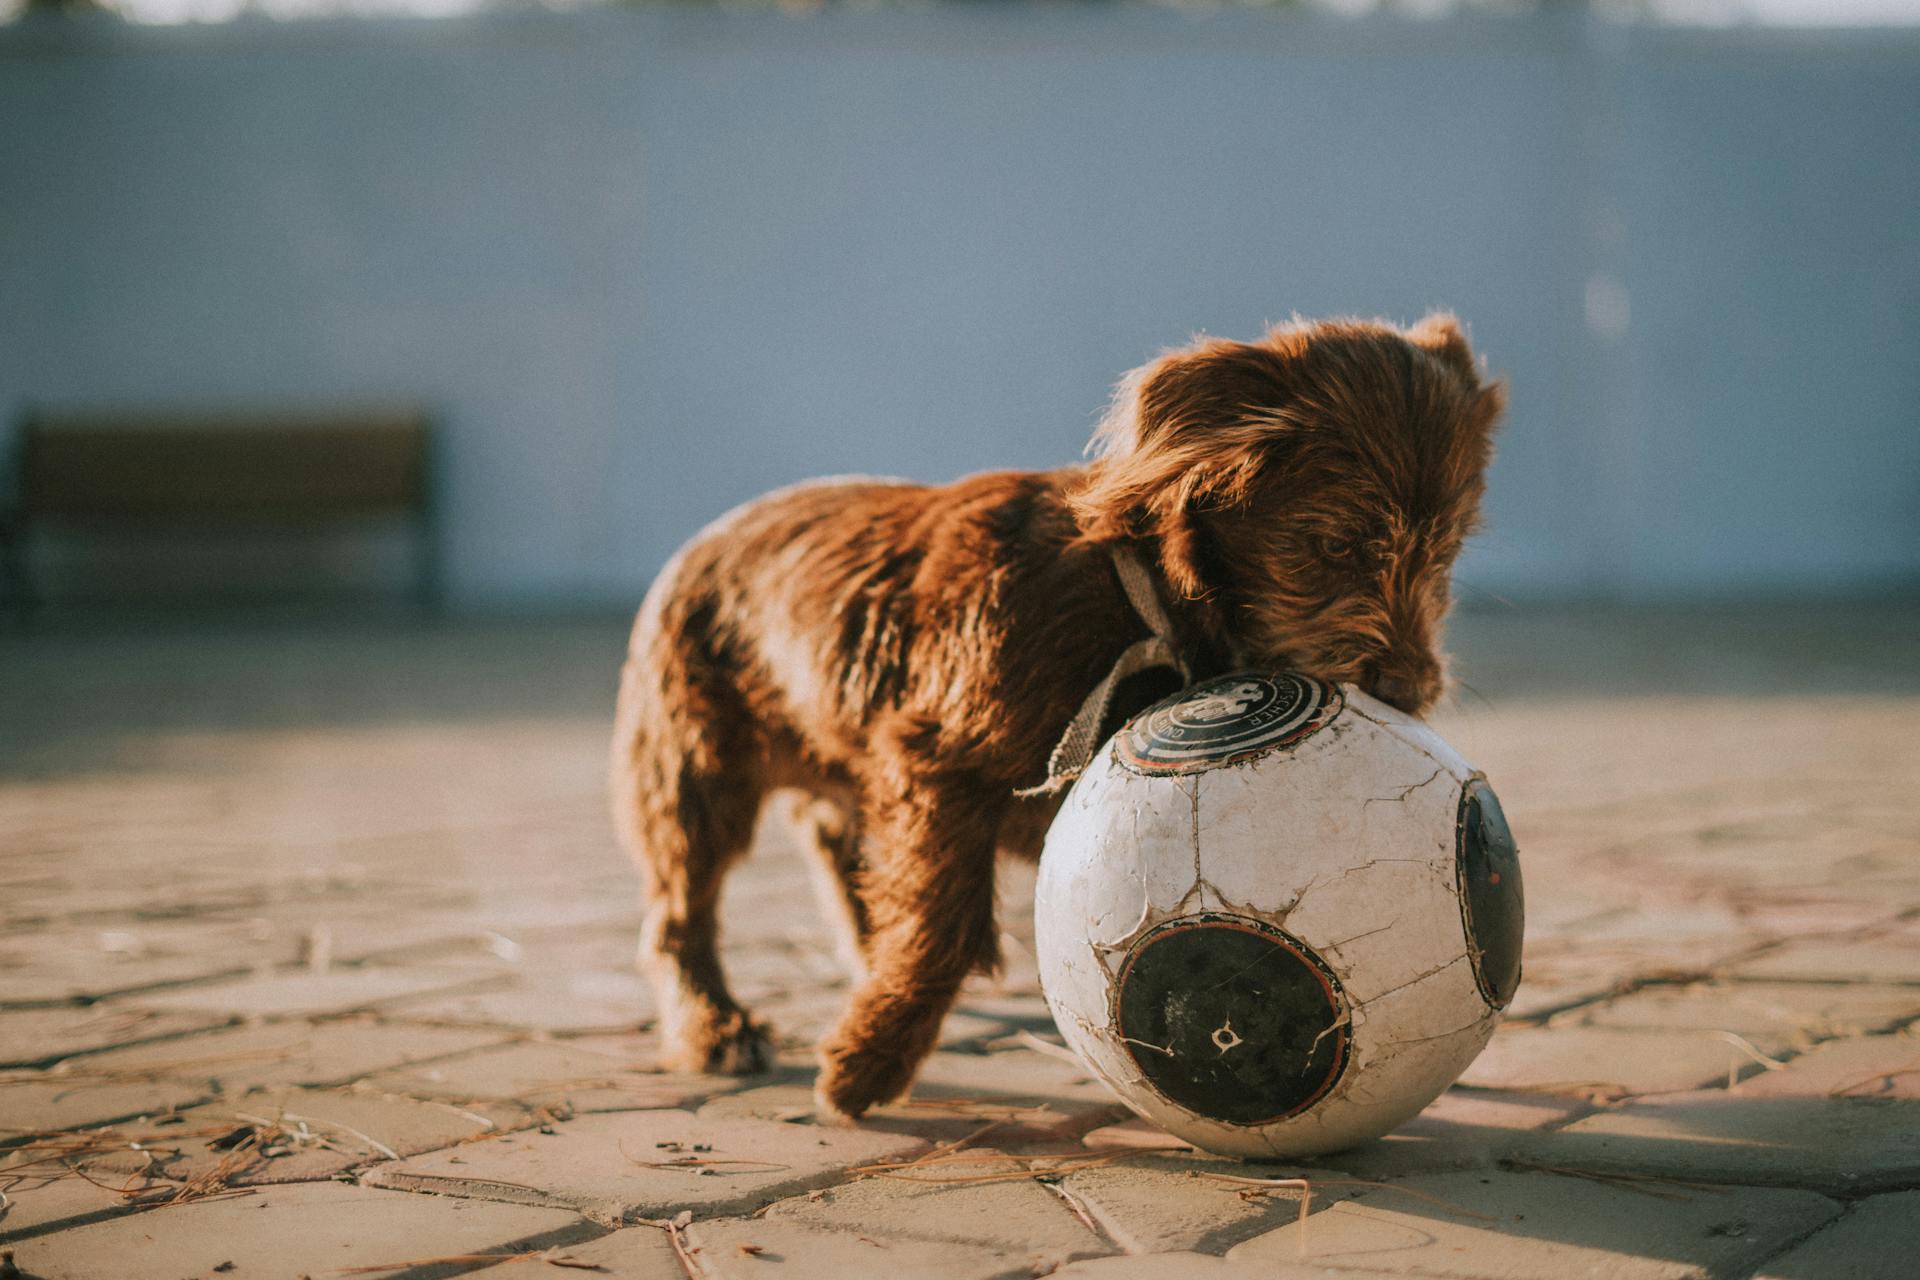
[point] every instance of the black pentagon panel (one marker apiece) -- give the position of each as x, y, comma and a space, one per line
1232, 1019
1220, 721
1492, 905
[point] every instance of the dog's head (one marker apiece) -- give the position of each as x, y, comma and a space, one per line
1314, 487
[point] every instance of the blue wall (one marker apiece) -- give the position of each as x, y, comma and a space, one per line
650, 263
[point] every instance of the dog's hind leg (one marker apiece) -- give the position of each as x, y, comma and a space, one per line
828, 827
687, 791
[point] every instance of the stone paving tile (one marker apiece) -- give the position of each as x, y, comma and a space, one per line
1604, 1062
1037, 1093
777, 970
1156, 1266
1800, 1012
968, 1029
548, 1075
1133, 1134
30, 884
935, 1119
1547, 986
39, 1200
800, 1020
350, 932
790, 1102
525, 916
263, 922
639, 1049
1844, 866
1876, 1240
246, 942
1801, 913
1164, 1204
559, 1003
284, 1053
464, 941
1872, 872
1020, 1216
38, 1101
1561, 913
457, 943
603, 1166
987, 1000
1892, 956
757, 1249
635, 1253
1025, 1011
1198, 1266
275, 1233
323, 1131
1012, 1075
1462, 1108
1865, 1067
1837, 1144
30, 986
42, 1037
1493, 1225
1461, 1129
307, 995
166, 888
1674, 934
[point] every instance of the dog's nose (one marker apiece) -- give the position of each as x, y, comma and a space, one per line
1407, 693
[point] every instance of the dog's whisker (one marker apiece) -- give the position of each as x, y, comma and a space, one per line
1475, 692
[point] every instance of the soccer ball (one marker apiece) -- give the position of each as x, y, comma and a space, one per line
1277, 916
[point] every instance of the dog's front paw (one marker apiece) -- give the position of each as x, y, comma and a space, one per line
828, 1112
854, 1080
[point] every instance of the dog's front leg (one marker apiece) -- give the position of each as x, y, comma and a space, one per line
930, 901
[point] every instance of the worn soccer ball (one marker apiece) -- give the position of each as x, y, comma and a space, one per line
1277, 916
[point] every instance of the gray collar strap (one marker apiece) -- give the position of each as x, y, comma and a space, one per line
1076, 747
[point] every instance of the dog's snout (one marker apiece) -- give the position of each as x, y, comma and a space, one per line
1397, 691
1411, 691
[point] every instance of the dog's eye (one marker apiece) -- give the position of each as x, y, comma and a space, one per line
1337, 548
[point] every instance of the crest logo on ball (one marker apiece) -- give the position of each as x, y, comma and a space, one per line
1229, 719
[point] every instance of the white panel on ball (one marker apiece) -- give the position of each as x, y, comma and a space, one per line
1278, 917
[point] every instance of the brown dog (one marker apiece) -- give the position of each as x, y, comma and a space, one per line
908, 656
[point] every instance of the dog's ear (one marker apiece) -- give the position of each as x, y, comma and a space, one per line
1187, 433
1440, 335
1489, 402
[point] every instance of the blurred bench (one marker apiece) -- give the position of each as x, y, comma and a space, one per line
233, 474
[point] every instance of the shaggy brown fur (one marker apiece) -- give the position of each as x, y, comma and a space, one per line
907, 656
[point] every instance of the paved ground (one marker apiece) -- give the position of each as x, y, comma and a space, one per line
314, 960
